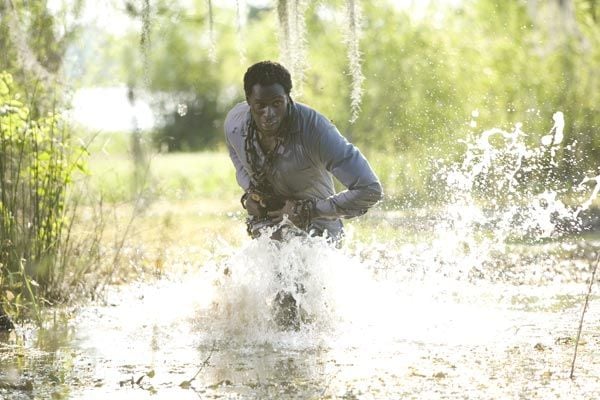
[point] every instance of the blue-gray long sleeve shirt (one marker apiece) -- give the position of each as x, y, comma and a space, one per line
311, 152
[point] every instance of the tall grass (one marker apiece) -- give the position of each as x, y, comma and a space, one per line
37, 162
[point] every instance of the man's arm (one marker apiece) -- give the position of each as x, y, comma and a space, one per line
233, 132
241, 175
351, 168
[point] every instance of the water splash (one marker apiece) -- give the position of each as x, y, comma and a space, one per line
555, 137
247, 282
511, 187
502, 192
588, 203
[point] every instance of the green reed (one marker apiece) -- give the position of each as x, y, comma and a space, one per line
37, 162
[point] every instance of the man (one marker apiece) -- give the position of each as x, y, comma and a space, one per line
285, 154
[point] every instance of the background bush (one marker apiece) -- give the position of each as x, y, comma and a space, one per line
37, 162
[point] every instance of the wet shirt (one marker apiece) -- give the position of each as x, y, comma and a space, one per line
310, 152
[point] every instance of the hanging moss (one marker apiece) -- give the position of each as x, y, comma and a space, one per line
212, 49
145, 41
353, 15
299, 56
238, 30
284, 29
292, 38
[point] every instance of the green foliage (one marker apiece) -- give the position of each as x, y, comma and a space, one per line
37, 161
34, 40
433, 79
181, 67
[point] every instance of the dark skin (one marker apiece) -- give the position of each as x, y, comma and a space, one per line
268, 106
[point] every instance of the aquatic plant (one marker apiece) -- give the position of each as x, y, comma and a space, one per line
585, 307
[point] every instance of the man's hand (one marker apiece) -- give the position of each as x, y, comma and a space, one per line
298, 212
288, 209
254, 205
254, 208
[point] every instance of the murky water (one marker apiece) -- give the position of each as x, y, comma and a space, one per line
484, 301
375, 331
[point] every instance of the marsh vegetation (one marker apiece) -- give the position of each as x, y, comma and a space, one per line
124, 261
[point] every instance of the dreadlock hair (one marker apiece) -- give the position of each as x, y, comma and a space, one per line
267, 73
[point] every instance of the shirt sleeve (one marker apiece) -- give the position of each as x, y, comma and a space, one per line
241, 175
351, 168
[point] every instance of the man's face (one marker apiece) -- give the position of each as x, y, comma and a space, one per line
268, 105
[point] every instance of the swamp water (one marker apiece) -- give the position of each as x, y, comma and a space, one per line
484, 303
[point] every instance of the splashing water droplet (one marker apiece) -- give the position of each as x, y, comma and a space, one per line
556, 134
587, 204
511, 188
182, 109
559, 126
547, 140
